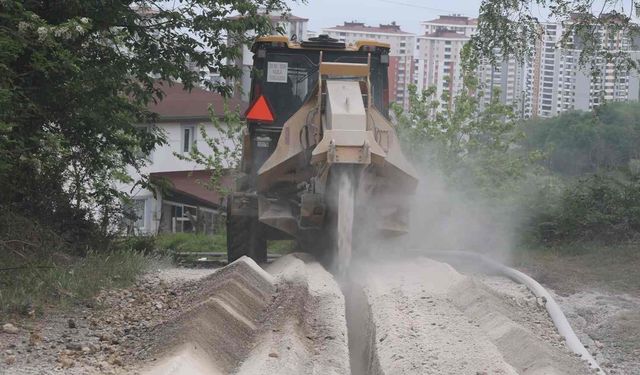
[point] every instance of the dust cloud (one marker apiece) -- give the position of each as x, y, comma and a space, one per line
444, 217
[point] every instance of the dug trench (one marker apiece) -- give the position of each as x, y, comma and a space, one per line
421, 316
414, 316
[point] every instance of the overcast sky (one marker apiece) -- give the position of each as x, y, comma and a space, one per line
407, 13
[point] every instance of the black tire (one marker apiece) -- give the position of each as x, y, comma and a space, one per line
245, 236
257, 241
237, 244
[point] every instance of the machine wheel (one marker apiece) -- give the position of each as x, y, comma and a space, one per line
257, 241
245, 236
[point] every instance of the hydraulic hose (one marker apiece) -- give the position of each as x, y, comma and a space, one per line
556, 314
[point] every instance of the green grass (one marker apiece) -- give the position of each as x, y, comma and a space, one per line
569, 268
191, 242
63, 281
281, 247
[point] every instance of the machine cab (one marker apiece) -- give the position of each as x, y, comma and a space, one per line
285, 75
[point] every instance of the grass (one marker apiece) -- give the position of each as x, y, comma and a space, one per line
570, 268
199, 243
281, 247
63, 281
191, 242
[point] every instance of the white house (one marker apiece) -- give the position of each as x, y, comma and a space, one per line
183, 204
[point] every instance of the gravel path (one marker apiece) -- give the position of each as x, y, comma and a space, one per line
416, 316
429, 319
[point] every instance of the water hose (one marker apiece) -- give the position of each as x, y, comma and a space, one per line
556, 314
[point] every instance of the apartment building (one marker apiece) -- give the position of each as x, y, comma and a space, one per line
505, 78
549, 82
438, 62
400, 56
555, 82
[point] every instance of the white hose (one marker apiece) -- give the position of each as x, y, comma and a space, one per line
558, 317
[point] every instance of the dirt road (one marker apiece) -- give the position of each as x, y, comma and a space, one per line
415, 316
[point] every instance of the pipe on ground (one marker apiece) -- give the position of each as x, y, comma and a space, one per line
556, 314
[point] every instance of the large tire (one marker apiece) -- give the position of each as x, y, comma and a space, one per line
237, 244
257, 241
245, 236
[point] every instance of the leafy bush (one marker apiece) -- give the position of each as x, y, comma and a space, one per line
577, 143
62, 280
140, 244
602, 207
40, 268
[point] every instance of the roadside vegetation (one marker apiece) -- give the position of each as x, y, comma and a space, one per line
568, 187
75, 81
38, 268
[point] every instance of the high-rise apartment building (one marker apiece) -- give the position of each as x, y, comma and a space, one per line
400, 56
504, 81
548, 83
438, 62
556, 83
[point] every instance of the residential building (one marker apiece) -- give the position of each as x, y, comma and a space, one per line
548, 83
400, 55
182, 203
438, 61
555, 81
293, 27
505, 78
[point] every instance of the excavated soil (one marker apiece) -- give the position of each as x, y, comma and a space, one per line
426, 318
415, 316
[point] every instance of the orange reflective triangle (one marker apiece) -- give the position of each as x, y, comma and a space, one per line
260, 111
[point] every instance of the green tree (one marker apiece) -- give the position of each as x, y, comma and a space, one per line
473, 145
577, 143
513, 27
75, 78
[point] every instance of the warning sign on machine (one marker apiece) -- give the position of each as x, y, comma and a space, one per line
277, 72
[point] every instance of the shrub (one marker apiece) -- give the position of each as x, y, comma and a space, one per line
602, 207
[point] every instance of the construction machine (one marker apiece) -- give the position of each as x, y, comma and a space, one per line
321, 162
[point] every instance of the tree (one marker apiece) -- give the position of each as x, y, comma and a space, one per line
472, 145
75, 78
577, 143
513, 26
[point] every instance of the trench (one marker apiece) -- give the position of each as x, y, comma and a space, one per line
361, 330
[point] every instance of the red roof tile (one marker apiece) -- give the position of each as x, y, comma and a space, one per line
193, 184
455, 20
181, 104
446, 34
276, 18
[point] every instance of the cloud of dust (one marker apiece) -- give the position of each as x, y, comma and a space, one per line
444, 217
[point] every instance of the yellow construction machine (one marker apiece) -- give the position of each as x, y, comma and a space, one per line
321, 161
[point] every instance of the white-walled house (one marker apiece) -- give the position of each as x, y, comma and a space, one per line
183, 204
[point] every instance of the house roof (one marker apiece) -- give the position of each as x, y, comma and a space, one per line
275, 17
391, 28
193, 185
180, 104
455, 20
446, 35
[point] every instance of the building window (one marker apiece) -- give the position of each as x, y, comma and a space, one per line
138, 208
183, 218
188, 138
